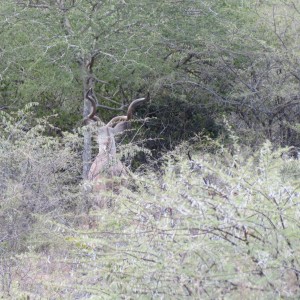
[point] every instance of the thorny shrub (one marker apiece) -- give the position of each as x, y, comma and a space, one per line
223, 225
38, 176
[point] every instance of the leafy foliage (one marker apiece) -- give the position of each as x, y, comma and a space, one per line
221, 225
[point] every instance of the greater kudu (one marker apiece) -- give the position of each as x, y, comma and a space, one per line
106, 168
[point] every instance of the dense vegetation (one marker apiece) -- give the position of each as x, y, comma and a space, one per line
212, 207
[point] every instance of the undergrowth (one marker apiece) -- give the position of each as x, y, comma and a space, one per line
223, 224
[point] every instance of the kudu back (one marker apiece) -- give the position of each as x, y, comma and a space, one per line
107, 172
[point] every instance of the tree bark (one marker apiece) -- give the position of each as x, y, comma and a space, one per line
88, 82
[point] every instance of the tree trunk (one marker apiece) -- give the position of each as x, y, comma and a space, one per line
88, 82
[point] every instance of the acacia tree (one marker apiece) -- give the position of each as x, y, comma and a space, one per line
63, 48
208, 56
60, 48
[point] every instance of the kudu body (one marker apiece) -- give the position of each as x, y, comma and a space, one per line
107, 172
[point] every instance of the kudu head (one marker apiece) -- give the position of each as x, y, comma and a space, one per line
106, 164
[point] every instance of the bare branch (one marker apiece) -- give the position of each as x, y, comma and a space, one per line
43, 6
111, 108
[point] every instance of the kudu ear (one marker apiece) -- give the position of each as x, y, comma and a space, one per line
122, 121
120, 127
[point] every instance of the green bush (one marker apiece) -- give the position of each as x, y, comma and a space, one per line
220, 226
223, 225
